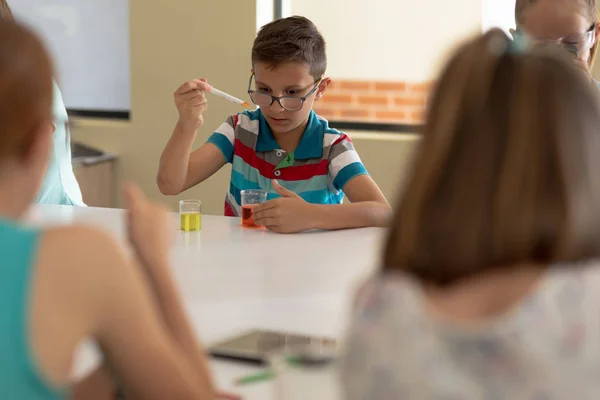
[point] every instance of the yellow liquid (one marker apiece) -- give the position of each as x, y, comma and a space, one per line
190, 222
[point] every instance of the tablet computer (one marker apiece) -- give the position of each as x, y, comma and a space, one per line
255, 346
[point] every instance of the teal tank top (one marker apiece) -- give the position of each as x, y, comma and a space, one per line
60, 185
20, 377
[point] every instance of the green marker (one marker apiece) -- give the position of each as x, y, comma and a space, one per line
254, 378
299, 361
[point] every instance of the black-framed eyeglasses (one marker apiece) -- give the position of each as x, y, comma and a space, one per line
289, 103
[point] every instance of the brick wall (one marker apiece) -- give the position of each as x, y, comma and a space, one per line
374, 101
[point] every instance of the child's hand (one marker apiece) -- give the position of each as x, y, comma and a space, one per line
227, 396
191, 102
148, 227
288, 214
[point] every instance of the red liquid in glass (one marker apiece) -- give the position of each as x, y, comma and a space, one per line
247, 220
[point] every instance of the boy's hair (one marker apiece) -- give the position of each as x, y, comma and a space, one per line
5, 13
292, 39
26, 88
588, 10
507, 172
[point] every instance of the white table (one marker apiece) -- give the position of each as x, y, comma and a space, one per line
234, 279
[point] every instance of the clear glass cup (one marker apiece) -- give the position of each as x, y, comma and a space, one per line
303, 373
251, 198
190, 215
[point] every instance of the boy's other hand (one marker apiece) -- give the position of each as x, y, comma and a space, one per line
287, 214
191, 102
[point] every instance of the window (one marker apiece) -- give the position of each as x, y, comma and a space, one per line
265, 11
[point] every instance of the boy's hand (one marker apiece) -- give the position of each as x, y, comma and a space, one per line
191, 102
288, 214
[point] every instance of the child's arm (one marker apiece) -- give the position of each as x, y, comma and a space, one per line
98, 385
368, 207
291, 213
180, 168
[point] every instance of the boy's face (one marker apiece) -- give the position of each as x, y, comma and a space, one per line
289, 79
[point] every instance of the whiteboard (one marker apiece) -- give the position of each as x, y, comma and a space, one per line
89, 40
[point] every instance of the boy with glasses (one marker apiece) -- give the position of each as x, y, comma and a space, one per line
283, 147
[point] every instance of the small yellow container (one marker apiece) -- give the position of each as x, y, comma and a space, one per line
190, 215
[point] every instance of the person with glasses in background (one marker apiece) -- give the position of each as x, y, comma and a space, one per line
572, 23
60, 185
282, 147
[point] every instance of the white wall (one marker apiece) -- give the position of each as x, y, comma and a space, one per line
498, 13
390, 39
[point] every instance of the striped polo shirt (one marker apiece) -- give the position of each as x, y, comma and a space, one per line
318, 170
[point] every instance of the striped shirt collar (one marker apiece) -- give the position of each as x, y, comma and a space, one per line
310, 146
